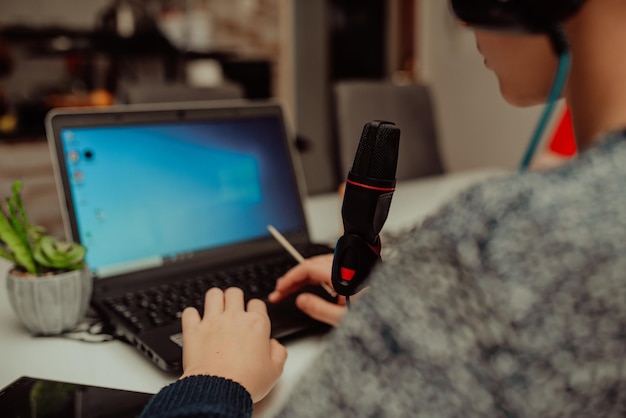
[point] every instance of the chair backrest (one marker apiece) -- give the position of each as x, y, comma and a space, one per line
408, 106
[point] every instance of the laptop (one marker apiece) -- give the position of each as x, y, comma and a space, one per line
173, 199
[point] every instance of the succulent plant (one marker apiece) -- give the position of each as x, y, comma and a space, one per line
28, 246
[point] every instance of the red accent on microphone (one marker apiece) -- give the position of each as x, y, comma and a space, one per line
365, 186
376, 249
347, 274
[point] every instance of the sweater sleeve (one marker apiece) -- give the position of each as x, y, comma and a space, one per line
200, 396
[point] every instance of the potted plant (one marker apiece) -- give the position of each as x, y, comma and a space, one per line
49, 285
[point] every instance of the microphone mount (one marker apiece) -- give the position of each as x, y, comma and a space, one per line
367, 198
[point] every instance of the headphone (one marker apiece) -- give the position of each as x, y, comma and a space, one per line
530, 16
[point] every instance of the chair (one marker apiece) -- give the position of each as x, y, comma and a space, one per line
408, 106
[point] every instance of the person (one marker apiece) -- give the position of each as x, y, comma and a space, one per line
508, 302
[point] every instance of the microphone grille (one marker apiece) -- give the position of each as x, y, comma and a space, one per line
377, 154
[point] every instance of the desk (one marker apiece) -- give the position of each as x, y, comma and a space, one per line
118, 365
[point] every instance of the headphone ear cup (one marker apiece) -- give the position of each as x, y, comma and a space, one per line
534, 16
551, 13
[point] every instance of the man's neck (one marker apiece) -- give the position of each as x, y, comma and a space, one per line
596, 90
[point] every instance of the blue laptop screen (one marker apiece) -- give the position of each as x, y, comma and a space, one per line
144, 195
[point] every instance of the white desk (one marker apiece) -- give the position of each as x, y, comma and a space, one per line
118, 365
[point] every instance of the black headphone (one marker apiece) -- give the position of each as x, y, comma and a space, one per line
532, 16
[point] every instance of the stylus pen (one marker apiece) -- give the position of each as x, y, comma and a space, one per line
295, 254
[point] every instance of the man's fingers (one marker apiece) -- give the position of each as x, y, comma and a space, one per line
296, 278
291, 281
314, 270
213, 302
190, 321
233, 299
320, 309
278, 353
257, 305
190, 318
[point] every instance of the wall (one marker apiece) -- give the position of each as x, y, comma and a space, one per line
478, 128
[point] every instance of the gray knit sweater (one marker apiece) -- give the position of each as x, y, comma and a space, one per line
509, 302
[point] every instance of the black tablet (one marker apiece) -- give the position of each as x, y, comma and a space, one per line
31, 397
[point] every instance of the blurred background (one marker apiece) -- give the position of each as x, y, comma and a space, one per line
100, 52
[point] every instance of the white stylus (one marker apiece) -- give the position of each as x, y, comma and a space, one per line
295, 254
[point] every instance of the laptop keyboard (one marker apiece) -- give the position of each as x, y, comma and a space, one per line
163, 305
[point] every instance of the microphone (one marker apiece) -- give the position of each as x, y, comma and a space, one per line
366, 202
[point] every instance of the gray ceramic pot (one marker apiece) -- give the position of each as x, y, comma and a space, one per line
51, 304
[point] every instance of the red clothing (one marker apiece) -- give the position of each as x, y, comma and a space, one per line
563, 141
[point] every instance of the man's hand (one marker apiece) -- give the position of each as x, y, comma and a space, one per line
312, 271
232, 342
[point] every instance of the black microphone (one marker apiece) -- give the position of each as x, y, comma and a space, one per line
366, 202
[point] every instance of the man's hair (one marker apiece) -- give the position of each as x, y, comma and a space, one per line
535, 16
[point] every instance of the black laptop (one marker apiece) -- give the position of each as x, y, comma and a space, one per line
173, 199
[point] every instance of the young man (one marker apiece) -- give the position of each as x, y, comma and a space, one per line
509, 302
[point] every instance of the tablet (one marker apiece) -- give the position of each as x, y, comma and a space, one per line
42, 398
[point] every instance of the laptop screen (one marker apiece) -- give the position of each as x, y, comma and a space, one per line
144, 195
